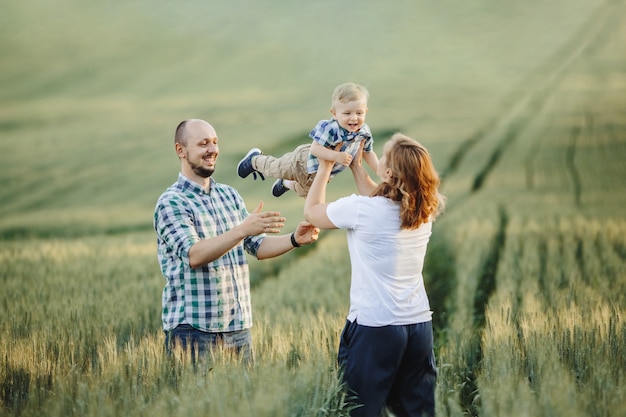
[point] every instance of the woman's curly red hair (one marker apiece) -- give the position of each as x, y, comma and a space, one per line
413, 181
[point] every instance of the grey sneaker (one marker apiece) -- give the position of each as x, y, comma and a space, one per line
244, 168
279, 188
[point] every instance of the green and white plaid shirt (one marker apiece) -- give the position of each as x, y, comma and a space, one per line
214, 297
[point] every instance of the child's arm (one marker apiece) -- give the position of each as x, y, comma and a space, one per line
372, 159
322, 152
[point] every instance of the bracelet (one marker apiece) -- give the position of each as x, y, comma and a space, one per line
293, 241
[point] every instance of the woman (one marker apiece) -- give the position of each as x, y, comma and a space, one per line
386, 347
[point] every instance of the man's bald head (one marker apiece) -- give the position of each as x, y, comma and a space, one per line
183, 129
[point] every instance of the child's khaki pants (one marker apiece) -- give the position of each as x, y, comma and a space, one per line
290, 166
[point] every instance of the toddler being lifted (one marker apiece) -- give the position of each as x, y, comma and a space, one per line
337, 139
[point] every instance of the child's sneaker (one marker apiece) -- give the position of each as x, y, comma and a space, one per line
244, 168
279, 188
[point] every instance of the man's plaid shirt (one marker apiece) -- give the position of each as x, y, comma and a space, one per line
214, 297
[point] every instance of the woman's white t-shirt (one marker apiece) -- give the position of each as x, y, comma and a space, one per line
387, 286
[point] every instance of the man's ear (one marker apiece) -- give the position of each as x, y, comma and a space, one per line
180, 150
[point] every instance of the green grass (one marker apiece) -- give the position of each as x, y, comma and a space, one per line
521, 105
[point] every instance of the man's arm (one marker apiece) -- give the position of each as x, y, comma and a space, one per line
208, 250
273, 246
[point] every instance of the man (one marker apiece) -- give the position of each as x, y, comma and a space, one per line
203, 228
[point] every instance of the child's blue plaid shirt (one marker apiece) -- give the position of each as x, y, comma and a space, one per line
329, 134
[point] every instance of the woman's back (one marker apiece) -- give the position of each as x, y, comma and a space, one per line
387, 285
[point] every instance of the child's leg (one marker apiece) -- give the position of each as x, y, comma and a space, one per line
302, 188
290, 166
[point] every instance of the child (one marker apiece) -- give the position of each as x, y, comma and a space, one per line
337, 139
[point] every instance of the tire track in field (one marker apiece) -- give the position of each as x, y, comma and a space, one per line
488, 278
594, 33
570, 156
525, 102
487, 284
518, 115
520, 111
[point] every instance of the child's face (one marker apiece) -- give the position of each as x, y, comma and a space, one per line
350, 115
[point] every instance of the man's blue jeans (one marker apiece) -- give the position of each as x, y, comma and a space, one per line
200, 343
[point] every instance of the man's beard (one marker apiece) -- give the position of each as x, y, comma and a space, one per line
202, 171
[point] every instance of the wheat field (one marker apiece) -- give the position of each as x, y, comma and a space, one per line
522, 106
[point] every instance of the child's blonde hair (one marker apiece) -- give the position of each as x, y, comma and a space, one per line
347, 92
